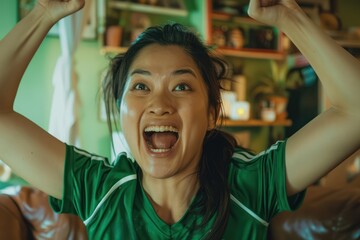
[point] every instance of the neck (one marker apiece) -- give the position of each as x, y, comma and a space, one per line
171, 197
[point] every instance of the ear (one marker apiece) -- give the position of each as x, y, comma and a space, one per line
212, 120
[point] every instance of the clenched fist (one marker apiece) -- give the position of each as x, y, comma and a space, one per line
57, 9
273, 12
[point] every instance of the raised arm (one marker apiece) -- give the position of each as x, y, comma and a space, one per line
30, 151
335, 134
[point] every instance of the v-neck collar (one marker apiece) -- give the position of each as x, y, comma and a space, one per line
144, 203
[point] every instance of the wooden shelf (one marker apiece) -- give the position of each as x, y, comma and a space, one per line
256, 123
145, 8
345, 38
220, 16
349, 43
252, 53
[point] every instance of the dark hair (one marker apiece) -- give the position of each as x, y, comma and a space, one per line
218, 146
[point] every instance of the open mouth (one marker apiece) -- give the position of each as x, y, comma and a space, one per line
160, 139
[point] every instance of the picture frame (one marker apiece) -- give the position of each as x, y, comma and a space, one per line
90, 28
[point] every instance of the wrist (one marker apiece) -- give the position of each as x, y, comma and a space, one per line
40, 12
294, 21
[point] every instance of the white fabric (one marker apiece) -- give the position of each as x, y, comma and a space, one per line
63, 122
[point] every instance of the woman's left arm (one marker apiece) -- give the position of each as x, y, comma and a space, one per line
335, 134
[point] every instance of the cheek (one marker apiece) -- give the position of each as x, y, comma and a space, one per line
197, 114
128, 110
129, 118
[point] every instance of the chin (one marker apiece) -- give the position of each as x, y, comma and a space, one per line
159, 173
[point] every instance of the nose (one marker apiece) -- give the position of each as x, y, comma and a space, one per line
160, 104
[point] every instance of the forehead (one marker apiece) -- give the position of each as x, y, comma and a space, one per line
162, 58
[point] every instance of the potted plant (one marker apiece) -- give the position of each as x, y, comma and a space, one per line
270, 98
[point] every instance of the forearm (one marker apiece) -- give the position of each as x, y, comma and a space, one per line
17, 49
338, 71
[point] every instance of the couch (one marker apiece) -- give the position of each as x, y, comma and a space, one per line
327, 213
25, 213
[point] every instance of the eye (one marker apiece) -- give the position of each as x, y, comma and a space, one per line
140, 87
182, 87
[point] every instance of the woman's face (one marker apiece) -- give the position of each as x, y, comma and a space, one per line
164, 112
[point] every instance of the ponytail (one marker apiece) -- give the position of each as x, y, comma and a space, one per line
213, 175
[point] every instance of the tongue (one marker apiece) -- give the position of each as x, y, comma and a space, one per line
163, 140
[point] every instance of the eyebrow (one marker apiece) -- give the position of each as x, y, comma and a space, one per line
184, 71
176, 72
140, 71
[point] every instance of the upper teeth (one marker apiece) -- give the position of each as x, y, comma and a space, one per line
161, 129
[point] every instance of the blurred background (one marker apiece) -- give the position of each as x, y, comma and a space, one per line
274, 91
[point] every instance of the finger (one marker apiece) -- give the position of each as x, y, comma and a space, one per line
254, 4
254, 7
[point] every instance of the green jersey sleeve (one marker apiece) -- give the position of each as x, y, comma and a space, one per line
88, 179
258, 182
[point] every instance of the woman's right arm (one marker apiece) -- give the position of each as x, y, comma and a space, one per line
31, 152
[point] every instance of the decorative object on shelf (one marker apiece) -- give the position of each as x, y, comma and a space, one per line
266, 42
139, 22
239, 86
280, 104
235, 38
114, 36
218, 37
240, 110
267, 111
330, 21
266, 93
228, 99
262, 38
228, 6
140, 5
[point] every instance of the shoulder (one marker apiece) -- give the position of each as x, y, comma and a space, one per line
77, 154
97, 170
90, 178
258, 181
247, 168
78, 157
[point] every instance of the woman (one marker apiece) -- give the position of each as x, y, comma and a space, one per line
184, 179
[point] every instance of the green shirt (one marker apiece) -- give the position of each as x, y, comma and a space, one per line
113, 205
